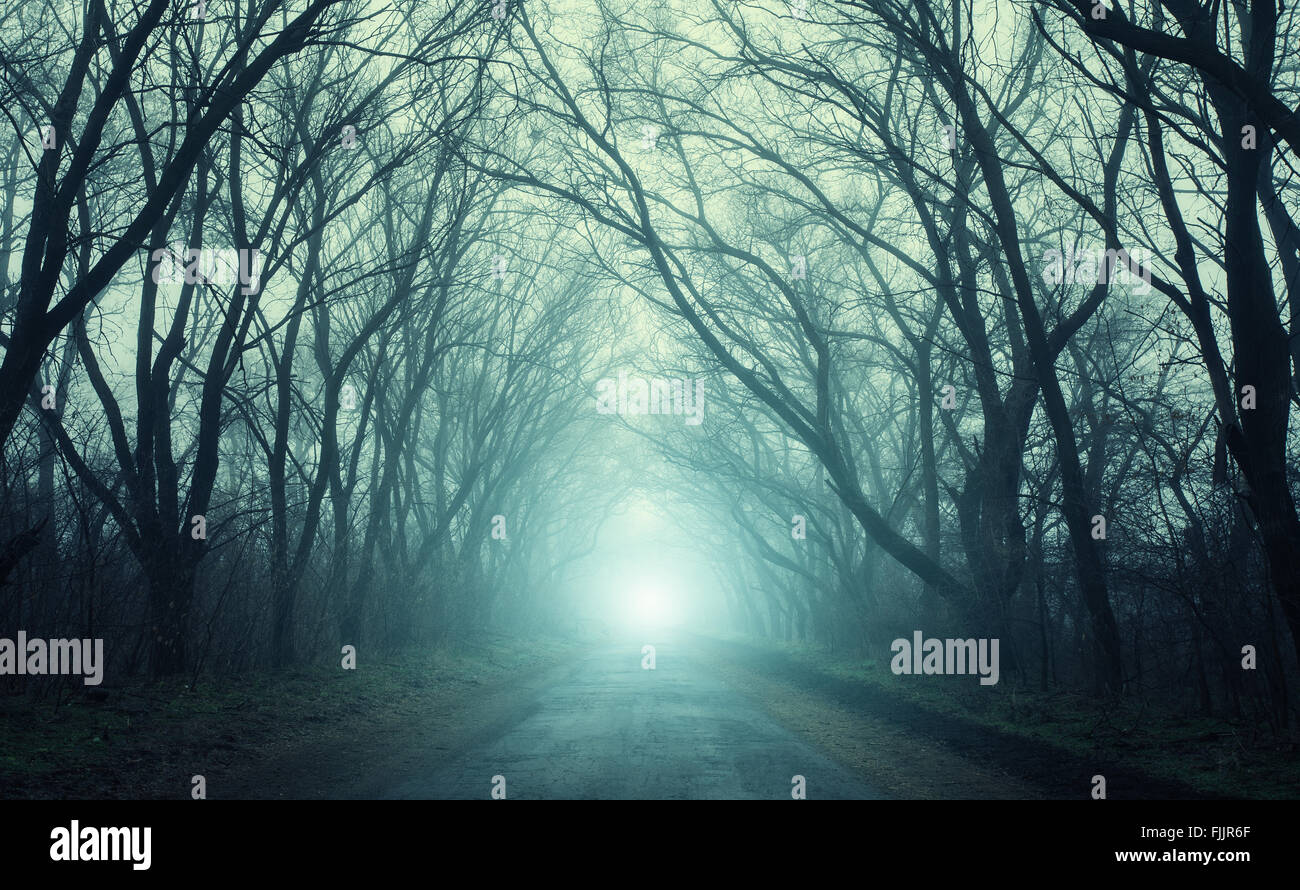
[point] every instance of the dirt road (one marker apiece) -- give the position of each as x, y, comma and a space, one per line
608, 728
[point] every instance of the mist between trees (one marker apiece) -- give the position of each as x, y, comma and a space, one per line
989, 307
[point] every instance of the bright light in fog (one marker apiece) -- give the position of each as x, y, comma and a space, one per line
651, 606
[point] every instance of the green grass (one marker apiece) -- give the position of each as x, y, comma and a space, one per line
1218, 755
134, 739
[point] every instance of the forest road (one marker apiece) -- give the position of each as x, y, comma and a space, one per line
609, 728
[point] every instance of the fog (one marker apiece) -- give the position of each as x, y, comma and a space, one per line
739, 372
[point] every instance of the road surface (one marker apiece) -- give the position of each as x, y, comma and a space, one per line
608, 728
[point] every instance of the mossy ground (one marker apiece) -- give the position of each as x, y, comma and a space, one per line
1215, 756
147, 739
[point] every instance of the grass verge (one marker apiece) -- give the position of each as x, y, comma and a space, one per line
148, 739
1138, 737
